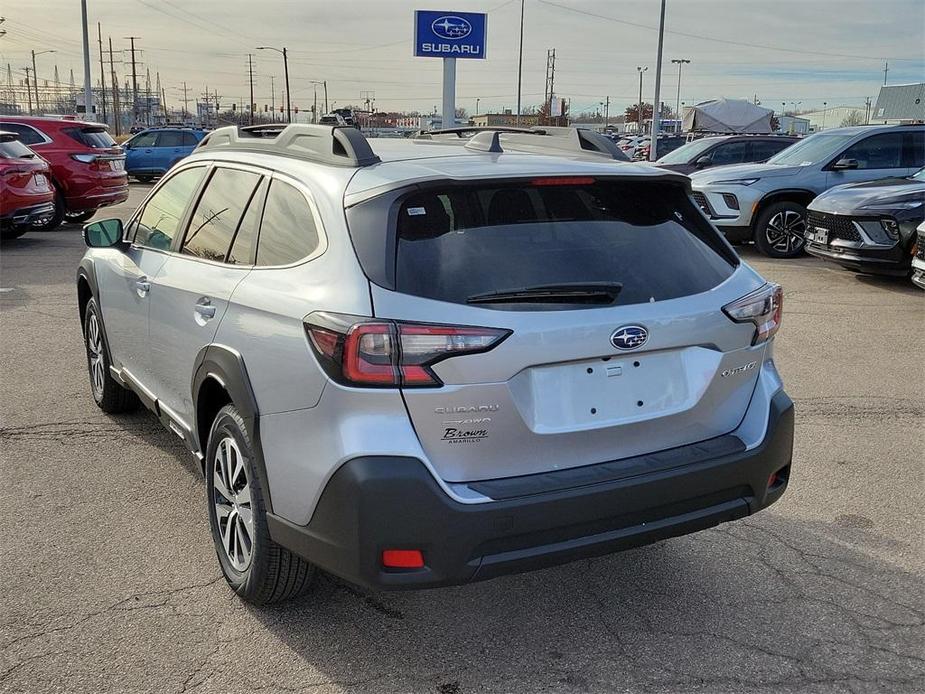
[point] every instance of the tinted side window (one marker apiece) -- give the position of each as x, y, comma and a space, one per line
245, 241
914, 153
169, 138
733, 153
189, 140
158, 223
882, 151
766, 149
218, 212
287, 232
144, 140
27, 135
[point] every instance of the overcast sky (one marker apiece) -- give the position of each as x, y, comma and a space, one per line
806, 51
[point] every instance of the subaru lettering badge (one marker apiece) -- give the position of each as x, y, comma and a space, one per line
629, 337
450, 27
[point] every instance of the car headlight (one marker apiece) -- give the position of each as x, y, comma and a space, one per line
891, 205
735, 182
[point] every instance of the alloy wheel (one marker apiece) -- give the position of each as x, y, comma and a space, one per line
232, 500
95, 347
785, 231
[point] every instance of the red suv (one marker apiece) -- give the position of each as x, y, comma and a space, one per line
27, 198
87, 166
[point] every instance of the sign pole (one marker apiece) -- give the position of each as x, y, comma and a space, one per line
449, 92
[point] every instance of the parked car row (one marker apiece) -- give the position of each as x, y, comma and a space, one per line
86, 168
850, 195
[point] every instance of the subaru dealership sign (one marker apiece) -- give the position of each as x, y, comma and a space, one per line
449, 34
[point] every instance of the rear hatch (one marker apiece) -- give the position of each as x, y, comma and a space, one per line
101, 153
612, 292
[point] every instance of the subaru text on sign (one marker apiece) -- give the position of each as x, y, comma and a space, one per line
449, 34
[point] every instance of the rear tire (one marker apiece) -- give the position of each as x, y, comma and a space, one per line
257, 569
144, 178
10, 234
779, 230
79, 217
109, 395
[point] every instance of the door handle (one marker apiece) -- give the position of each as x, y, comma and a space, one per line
142, 286
204, 310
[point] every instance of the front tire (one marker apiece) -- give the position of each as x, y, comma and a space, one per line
779, 230
257, 569
109, 395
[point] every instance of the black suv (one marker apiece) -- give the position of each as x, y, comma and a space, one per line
725, 149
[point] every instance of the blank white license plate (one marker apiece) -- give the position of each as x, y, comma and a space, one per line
818, 235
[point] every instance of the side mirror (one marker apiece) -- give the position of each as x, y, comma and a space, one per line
843, 164
103, 234
703, 162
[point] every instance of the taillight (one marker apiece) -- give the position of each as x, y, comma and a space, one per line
763, 307
17, 178
94, 160
380, 353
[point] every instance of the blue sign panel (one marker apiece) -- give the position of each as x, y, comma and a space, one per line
449, 34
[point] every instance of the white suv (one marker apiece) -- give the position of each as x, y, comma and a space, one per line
441, 361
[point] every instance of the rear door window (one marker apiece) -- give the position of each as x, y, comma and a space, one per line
218, 213
462, 241
287, 232
169, 138
189, 140
914, 150
245, 241
765, 149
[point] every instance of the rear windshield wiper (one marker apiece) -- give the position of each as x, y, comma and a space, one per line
565, 293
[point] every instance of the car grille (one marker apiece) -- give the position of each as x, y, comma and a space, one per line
839, 227
920, 246
702, 203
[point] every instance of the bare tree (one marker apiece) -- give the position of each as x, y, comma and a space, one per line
853, 118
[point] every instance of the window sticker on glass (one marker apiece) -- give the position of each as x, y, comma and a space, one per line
415, 211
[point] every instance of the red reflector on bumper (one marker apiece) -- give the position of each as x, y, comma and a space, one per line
402, 559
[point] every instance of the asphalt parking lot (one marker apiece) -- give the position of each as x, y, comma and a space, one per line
110, 583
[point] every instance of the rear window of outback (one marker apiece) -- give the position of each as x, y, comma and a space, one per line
459, 241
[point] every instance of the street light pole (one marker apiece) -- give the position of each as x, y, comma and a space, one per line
824, 104
656, 103
640, 70
520, 63
285, 74
677, 108
35, 79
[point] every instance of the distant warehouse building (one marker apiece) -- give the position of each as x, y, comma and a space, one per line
835, 117
900, 103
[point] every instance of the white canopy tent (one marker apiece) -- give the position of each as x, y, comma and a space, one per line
728, 116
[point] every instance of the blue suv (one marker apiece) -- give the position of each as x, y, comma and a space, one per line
152, 152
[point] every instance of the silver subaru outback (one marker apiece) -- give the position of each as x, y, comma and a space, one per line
440, 361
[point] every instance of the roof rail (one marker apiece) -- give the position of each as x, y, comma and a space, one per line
324, 144
466, 131
562, 141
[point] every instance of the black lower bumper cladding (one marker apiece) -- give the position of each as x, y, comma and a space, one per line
377, 503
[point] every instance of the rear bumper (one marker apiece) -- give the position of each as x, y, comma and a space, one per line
27, 216
99, 196
376, 503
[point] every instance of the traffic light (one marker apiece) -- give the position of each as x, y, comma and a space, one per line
295, 108
265, 108
234, 106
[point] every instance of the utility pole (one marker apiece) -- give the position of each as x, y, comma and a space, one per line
886, 70
134, 81
824, 105
656, 102
99, 38
116, 106
288, 93
250, 70
273, 98
185, 101
640, 70
88, 89
520, 63
677, 108
28, 89
867, 109
550, 82
325, 83
606, 105
35, 84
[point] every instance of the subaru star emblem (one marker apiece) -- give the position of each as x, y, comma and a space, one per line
629, 337
450, 27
